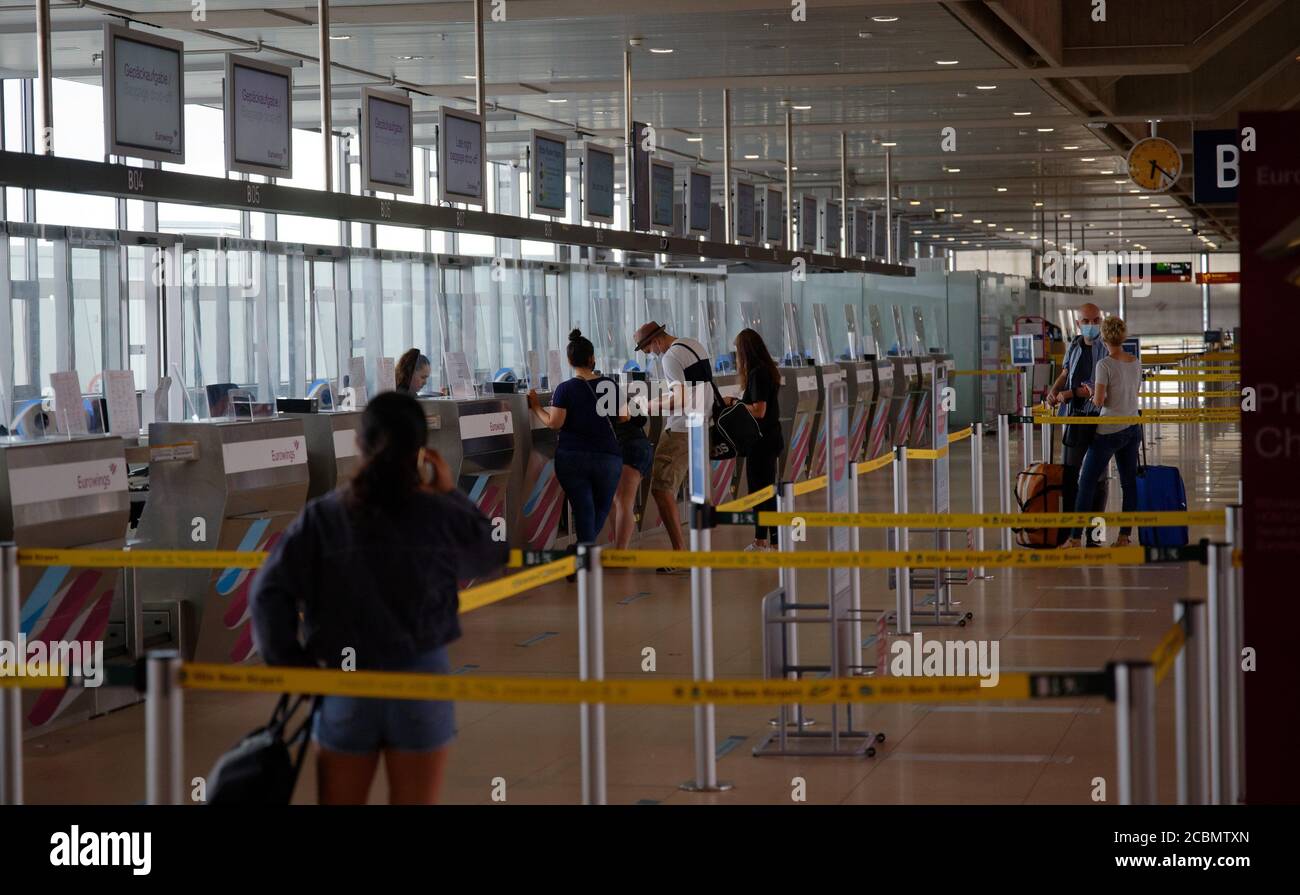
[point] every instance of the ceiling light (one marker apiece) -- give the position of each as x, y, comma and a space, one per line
994, 226
941, 210
888, 143
751, 156
1010, 229
469, 77
1087, 159
1066, 216
407, 58
694, 139
916, 232
661, 50
1038, 204
1046, 130
1121, 181
978, 221
1021, 114
802, 108
1002, 189
557, 101
884, 19
1107, 172
1155, 204
1067, 148
965, 242
340, 37
1136, 191
956, 214
913, 202
986, 86
864, 34
946, 61
952, 239
953, 170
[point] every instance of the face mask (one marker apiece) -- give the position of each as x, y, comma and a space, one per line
1090, 330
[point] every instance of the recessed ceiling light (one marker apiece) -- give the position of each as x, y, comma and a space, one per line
407, 58
468, 77
1002, 189
994, 226
1010, 230
751, 156
1155, 205
965, 242
946, 61
557, 101
888, 143
913, 202
864, 34
340, 37
1068, 148
986, 86
953, 170
661, 50
1065, 216
941, 210
1021, 114
1107, 172
802, 108
694, 139
884, 19
1020, 232
1038, 204
1121, 181
956, 214
1087, 159
1046, 130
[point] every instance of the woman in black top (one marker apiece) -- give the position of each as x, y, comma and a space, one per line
412, 372
367, 576
762, 396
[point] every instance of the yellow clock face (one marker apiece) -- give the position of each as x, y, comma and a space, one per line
1155, 164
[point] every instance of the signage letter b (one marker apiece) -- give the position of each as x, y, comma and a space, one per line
1228, 171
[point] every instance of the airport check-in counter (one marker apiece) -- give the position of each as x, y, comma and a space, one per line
878, 439
860, 382
247, 483
798, 411
476, 436
332, 452
68, 493
725, 472
827, 376
922, 429
906, 393
535, 498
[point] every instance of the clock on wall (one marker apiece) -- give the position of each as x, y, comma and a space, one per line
1155, 164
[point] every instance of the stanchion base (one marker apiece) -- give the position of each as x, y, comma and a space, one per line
853, 744
692, 786
776, 722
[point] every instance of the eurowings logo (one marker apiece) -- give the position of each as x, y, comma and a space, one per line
542, 509
799, 439
60, 608
235, 584
723, 472
859, 434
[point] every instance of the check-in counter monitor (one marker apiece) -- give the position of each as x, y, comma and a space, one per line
725, 472
67, 493
332, 451
861, 393
798, 410
248, 483
827, 376
878, 439
535, 497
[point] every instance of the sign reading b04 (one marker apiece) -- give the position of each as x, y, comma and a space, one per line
1155, 164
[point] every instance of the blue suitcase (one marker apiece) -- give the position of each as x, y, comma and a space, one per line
1161, 488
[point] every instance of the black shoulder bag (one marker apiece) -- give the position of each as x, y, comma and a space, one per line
263, 769
733, 431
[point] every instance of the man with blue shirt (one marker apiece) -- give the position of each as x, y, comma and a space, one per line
1072, 393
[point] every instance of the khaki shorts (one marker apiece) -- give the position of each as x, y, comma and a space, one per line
671, 462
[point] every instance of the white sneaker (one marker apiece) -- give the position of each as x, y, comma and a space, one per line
757, 548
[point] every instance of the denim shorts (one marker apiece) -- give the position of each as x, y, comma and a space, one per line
365, 726
638, 454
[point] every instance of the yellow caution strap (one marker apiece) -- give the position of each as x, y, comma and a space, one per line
749, 501
481, 595
1171, 518
1193, 377
1167, 651
143, 559
1009, 371
1227, 415
875, 559
867, 466
961, 434
808, 486
926, 453
476, 688
1217, 394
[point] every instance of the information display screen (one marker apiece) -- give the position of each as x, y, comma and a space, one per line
701, 189
639, 190
808, 222
598, 184
745, 217
661, 195
833, 227
861, 232
460, 158
259, 117
388, 156
775, 217
550, 168
144, 95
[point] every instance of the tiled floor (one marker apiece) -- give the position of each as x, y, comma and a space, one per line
1044, 752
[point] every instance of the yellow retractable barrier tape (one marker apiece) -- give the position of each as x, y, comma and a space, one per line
1147, 419
144, 559
481, 595
748, 501
954, 437
1167, 650
1218, 394
1010, 371
867, 466
875, 559
810, 485
473, 688
1193, 377
926, 453
995, 520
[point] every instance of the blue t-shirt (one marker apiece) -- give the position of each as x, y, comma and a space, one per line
585, 429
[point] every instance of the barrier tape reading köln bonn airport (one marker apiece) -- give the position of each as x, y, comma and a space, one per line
976, 520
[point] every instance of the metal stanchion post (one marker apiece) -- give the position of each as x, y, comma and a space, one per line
1232, 577
591, 667
706, 756
977, 483
11, 698
855, 573
1027, 436
1045, 443
1214, 670
1135, 732
1004, 474
1193, 710
1227, 644
903, 579
163, 734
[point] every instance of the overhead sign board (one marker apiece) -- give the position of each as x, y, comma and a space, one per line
387, 150
144, 95
259, 117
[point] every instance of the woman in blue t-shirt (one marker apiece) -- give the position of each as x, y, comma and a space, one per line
588, 459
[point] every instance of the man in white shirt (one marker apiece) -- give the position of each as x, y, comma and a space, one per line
683, 361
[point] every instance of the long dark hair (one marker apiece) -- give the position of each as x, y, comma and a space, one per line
581, 352
407, 364
393, 430
752, 354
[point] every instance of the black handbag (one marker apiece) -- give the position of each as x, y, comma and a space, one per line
263, 769
733, 431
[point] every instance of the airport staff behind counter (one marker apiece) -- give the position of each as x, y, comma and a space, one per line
373, 567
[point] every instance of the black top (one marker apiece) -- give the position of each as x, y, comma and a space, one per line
591, 407
383, 585
761, 387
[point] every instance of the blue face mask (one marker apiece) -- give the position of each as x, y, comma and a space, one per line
1090, 330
